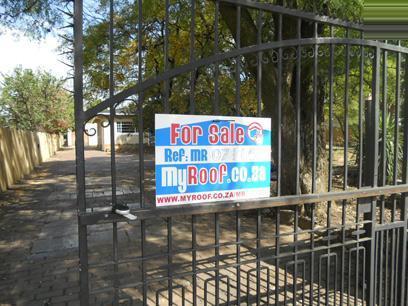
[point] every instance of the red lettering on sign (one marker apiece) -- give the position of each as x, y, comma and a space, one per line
185, 134
222, 172
197, 131
240, 135
213, 134
174, 133
203, 176
192, 175
227, 135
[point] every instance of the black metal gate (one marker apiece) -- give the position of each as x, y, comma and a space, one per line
334, 230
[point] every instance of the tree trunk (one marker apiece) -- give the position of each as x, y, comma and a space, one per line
288, 104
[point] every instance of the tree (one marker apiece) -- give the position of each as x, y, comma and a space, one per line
125, 63
35, 101
34, 17
96, 64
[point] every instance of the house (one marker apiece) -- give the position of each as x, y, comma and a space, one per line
98, 134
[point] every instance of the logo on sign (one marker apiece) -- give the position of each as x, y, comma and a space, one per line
255, 132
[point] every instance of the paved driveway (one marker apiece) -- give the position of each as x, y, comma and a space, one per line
39, 247
38, 228
38, 237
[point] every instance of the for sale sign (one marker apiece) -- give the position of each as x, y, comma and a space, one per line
211, 158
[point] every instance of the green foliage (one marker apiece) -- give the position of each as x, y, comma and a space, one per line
96, 53
353, 94
343, 9
35, 101
391, 144
39, 16
34, 17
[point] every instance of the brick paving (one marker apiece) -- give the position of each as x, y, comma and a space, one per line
38, 228
38, 238
39, 243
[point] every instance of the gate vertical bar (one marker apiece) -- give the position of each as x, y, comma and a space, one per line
169, 220
279, 111
192, 111
259, 65
166, 57
360, 116
395, 177
258, 112
373, 173
216, 106
112, 112
298, 98
361, 106
141, 151
404, 203
217, 257
298, 191
360, 165
314, 162
194, 256
237, 103
384, 234
79, 150
238, 63
112, 108
192, 57
345, 168
330, 170
279, 161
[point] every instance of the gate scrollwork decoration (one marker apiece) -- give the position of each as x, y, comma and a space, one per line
92, 131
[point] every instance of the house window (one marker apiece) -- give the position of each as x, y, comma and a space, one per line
125, 127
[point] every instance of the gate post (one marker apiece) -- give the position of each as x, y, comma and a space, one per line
79, 150
370, 174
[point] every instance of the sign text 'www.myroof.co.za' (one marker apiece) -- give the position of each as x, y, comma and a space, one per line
211, 158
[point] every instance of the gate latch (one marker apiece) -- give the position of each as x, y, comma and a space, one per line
124, 210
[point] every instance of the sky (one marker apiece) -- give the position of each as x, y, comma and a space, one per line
29, 53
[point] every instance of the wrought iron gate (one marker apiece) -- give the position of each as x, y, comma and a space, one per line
346, 243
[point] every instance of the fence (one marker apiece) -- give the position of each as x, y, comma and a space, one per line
21, 151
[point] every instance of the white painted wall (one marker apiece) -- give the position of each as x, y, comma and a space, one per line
102, 140
120, 138
70, 142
